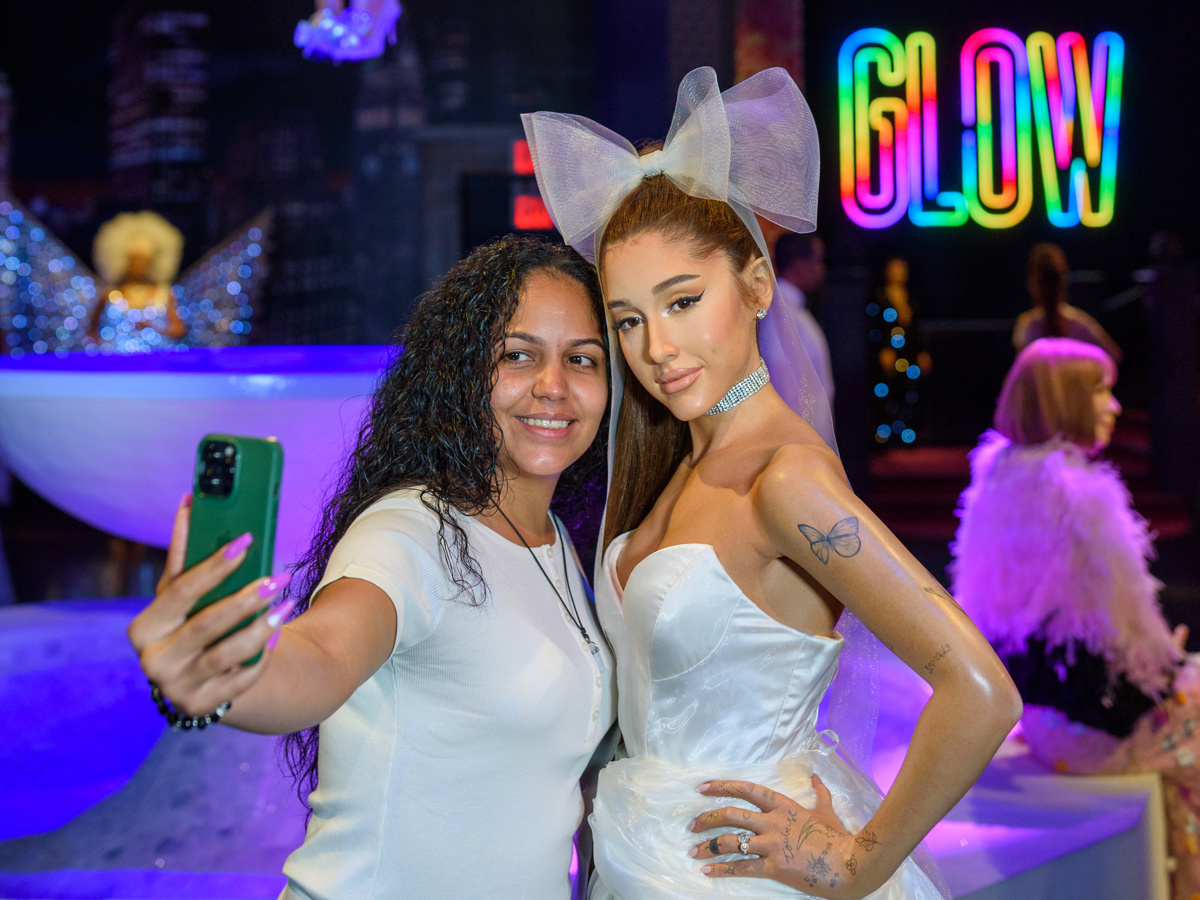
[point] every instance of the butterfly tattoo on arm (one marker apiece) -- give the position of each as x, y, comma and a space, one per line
842, 539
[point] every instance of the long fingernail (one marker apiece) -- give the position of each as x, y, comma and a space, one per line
280, 613
273, 640
238, 545
274, 585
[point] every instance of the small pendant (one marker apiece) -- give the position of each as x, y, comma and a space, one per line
595, 651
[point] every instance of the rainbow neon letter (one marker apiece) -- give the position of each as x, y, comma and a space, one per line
923, 137
862, 118
1058, 72
1010, 204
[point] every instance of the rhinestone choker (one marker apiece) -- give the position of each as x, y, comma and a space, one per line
744, 389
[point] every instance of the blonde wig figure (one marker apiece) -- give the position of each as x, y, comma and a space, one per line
1048, 392
144, 234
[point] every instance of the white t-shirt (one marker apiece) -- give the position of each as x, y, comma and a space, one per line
453, 772
811, 334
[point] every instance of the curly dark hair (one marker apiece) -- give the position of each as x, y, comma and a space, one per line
431, 426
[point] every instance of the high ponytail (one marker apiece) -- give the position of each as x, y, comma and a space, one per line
1048, 272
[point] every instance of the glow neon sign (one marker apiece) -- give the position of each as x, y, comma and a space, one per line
1043, 85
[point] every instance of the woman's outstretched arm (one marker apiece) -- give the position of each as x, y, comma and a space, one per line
320, 659
808, 514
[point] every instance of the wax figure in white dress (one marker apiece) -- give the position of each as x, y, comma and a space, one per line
733, 539
710, 686
446, 653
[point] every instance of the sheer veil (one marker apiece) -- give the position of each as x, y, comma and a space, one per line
754, 147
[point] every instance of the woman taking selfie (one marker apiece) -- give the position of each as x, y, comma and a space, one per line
733, 542
446, 655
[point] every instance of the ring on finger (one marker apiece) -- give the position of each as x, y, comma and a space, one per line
744, 842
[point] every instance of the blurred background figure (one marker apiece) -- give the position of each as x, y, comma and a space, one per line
137, 257
1047, 276
900, 355
800, 273
1052, 563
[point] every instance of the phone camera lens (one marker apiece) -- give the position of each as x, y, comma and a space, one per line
218, 460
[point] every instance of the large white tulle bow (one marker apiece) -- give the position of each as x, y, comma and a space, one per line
754, 147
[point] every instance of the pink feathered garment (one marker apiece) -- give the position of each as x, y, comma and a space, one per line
1049, 546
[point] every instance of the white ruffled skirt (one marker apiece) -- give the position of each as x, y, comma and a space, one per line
643, 807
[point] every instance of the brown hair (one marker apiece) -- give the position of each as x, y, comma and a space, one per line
1047, 272
650, 442
1048, 392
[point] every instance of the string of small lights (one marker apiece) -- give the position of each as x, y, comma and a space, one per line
895, 389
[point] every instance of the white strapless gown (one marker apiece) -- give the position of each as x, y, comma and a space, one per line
710, 686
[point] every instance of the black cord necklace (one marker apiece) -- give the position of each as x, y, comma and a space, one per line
572, 611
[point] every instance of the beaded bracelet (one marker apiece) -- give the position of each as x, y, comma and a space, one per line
181, 722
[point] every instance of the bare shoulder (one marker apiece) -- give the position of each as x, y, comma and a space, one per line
1028, 316
801, 477
1078, 315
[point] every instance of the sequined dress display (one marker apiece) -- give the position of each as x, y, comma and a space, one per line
710, 686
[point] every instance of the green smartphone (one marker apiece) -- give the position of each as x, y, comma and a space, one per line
235, 490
